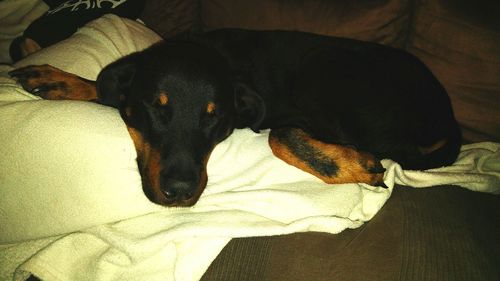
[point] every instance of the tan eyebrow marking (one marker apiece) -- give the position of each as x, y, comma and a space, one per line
210, 107
163, 98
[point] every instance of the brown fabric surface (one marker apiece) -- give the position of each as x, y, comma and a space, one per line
450, 234
442, 233
480, 13
460, 42
245, 260
384, 21
168, 18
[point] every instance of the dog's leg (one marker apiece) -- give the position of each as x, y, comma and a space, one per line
331, 163
52, 83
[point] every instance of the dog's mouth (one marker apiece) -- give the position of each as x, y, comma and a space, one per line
172, 192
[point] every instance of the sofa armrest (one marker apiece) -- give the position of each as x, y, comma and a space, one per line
460, 42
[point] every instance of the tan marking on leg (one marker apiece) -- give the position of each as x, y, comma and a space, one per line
52, 83
347, 164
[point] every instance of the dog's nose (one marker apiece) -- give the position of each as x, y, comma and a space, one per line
177, 190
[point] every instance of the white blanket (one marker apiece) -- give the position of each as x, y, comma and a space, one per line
77, 222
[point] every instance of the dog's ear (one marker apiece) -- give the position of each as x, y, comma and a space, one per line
115, 80
250, 107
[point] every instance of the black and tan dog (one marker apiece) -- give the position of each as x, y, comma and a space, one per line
334, 105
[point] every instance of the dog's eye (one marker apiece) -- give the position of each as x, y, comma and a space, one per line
154, 112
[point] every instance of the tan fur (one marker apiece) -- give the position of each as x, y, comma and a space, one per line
352, 165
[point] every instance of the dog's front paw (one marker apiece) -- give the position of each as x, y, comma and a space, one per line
371, 170
52, 83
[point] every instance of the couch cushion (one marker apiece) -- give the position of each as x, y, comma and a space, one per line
168, 18
441, 233
382, 21
460, 42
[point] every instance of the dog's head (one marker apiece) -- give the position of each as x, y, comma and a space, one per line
178, 100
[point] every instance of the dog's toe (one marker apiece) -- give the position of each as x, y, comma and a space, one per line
377, 168
23, 73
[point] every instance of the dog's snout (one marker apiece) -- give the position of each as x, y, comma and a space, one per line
178, 190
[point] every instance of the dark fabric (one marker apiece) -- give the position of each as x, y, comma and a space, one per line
244, 260
168, 18
440, 233
460, 42
384, 21
450, 235
54, 3
63, 19
481, 13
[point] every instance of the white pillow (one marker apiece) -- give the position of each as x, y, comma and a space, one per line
68, 165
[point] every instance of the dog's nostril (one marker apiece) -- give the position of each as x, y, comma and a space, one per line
169, 194
178, 190
188, 195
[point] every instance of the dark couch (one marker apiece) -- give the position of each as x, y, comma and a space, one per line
441, 233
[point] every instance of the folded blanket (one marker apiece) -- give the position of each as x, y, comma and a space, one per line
477, 169
99, 227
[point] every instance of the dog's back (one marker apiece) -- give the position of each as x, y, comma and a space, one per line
376, 98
